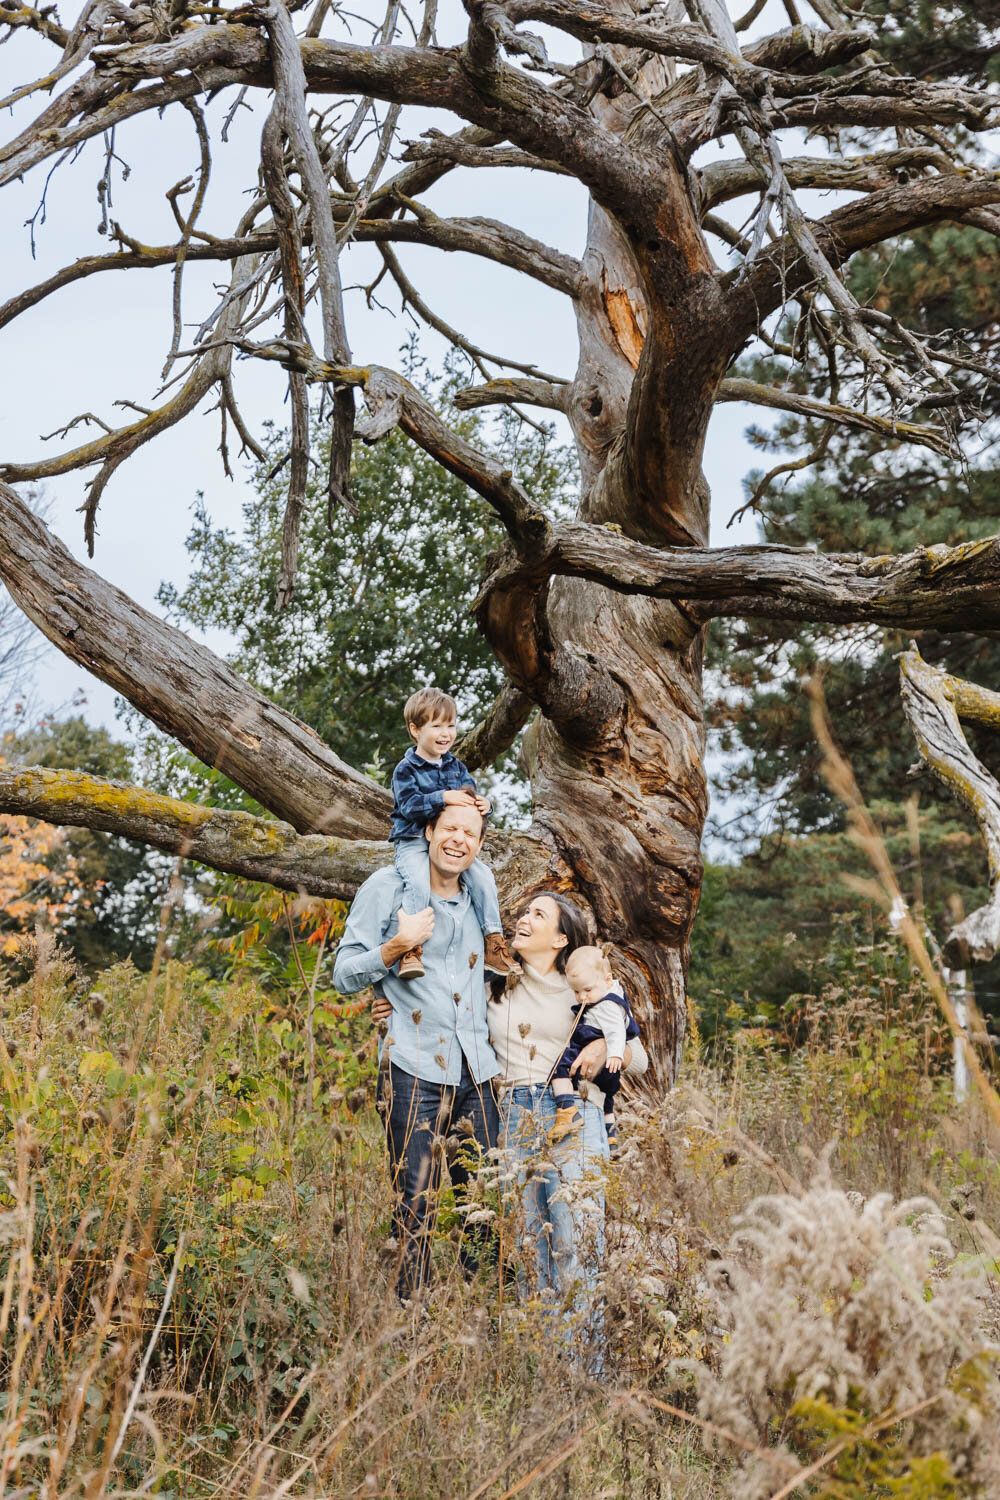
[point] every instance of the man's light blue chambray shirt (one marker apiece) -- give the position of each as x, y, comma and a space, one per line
451, 997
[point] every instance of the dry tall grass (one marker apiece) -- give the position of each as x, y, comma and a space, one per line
197, 1269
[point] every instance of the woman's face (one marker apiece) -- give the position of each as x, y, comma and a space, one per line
536, 936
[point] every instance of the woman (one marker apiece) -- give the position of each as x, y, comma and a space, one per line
561, 1185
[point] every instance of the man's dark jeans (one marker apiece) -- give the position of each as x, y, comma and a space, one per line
424, 1124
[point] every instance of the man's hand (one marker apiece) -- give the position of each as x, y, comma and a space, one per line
459, 799
411, 932
381, 1008
590, 1059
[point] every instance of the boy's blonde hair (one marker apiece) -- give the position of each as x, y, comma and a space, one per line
427, 704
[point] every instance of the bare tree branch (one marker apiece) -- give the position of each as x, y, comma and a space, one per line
293, 281
511, 392
483, 237
235, 842
42, 21
779, 272
497, 732
539, 119
290, 107
454, 151
953, 588
891, 428
393, 401
183, 687
721, 181
114, 447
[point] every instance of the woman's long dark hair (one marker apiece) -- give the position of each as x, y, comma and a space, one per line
572, 924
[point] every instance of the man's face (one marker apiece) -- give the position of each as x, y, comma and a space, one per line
455, 840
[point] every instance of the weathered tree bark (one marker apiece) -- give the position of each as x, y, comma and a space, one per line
934, 701
598, 621
261, 849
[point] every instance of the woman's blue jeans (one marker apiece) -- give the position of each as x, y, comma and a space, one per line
560, 1189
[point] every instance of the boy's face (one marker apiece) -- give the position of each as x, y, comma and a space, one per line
433, 739
588, 979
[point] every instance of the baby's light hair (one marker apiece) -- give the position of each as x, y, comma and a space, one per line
426, 704
591, 954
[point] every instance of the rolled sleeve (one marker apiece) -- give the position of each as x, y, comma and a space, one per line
359, 954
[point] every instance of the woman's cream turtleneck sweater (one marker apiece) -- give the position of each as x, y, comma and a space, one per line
530, 1026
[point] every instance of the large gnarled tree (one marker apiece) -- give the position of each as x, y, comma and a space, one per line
598, 622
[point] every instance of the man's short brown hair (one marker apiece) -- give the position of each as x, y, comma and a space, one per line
427, 704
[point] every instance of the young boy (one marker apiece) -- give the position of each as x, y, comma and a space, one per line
427, 778
603, 1013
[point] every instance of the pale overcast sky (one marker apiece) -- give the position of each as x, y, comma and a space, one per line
105, 339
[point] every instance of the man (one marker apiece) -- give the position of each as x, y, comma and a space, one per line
436, 1062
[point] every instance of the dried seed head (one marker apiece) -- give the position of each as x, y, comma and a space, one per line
583, 1088
97, 1003
418, 1016
383, 1029
523, 1028
234, 1070
172, 1091
439, 1060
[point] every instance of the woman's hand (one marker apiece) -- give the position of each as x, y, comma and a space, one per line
381, 1009
590, 1059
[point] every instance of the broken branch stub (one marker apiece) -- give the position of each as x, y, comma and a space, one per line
932, 701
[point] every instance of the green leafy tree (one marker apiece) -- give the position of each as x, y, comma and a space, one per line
934, 40
863, 495
382, 601
784, 924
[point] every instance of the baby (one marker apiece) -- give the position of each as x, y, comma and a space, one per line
602, 1013
426, 779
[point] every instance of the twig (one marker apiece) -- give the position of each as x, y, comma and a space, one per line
147, 1356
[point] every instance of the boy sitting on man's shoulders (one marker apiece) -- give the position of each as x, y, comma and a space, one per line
428, 778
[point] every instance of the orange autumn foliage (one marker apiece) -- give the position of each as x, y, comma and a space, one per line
38, 879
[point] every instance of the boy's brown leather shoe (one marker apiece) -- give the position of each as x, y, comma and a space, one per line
410, 966
497, 956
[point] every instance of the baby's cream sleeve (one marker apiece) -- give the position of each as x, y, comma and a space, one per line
610, 1017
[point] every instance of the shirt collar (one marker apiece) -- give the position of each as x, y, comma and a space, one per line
415, 759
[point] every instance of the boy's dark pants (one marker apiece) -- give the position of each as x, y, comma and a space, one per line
421, 1121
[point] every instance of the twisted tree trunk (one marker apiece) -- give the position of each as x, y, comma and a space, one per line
597, 622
